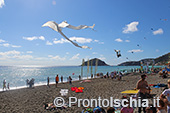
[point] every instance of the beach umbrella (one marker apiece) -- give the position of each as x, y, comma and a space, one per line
58, 27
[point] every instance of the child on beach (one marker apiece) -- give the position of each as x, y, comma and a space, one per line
166, 93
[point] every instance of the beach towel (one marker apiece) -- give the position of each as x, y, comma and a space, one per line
130, 91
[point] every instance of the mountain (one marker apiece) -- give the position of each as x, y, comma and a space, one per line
100, 62
162, 60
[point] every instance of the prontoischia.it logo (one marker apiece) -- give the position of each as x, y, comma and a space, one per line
59, 102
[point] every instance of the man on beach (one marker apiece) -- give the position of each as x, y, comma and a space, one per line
167, 94
48, 81
142, 85
4, 85
56, 80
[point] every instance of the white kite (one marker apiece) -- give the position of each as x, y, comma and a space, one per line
58, 27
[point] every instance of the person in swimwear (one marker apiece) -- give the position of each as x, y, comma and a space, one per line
142, 85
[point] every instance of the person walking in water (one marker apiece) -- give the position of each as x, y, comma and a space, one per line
56, 80
48, 81
4, 85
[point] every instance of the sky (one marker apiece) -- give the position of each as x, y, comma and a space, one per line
138, 28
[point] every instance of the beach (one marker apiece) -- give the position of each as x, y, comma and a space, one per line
29, 100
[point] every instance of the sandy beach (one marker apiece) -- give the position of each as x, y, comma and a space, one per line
31, 100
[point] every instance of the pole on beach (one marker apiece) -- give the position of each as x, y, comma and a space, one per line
82, 68
96, 66
87, 68
91, 67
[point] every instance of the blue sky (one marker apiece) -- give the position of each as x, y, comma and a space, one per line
119, 24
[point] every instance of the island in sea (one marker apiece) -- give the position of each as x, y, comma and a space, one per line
162, 60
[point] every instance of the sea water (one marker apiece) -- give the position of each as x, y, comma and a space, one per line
16, 76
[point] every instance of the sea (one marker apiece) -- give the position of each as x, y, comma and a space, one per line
16, 76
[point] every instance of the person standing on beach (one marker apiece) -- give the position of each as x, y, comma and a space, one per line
56, 80
70, 80
79, 77
91, 75
61, 79
8, 86
4, 85
167, 93
142, 85
48, 81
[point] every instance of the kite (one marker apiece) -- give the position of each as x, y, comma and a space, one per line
118, 53
58, 27
145, 38
164, 19
152, 29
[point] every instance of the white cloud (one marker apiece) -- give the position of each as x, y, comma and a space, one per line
49, 43
102, 57
50, 56
75, 57
58, 58
2, 40
9, 45
14, 54
94, 53
60, 41
132, 27
2, 3
96, 40
127, 40
118, 40
34, 38
135, 50
157, 50
67, 53
5, 45
159, 31
76, 39
81, 40
29, 52
23, 57
14, 46
9, 53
